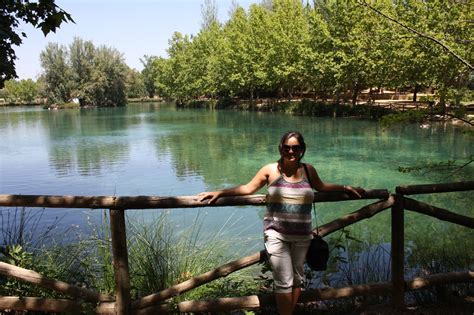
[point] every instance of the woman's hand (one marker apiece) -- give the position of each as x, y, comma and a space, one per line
356, 191
211, 195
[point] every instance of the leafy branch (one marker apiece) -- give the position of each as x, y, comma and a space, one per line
450, 165
437, 41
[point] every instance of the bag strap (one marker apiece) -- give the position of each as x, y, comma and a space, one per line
314, 206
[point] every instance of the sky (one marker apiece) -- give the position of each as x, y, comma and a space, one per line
134, 28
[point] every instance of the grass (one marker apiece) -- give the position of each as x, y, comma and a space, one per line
451, 255
159, 257
357, 262
27, 243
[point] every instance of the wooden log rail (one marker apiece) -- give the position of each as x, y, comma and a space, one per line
439, 213
58, 286
248, 302
153, 303
15, 303
152, 202
256, 302
434, 188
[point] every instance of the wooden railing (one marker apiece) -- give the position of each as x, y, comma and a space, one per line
156, 303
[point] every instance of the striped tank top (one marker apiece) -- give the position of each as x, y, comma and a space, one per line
289, 207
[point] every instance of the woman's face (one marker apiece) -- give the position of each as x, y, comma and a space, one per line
291, 150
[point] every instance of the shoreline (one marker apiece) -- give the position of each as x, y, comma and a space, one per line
374, 110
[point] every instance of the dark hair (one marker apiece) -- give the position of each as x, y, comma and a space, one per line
293, 134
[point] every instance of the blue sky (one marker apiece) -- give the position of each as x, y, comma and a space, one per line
135, 28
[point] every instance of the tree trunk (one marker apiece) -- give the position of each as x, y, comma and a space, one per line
355, 93
442, 100
415, 91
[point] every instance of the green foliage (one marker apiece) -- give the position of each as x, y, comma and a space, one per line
108, 77
148, 74
304, 107
27, 243
159, 257
448, 255
410, 116
23, 91
327, 49
57, 75
17, 256
42, 14
457, 96
94, 75
135, 86
357, 262
160, 78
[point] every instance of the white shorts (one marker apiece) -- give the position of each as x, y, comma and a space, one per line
287, 260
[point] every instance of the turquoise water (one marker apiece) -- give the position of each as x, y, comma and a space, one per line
156, 149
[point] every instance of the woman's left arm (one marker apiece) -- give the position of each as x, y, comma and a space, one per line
319, 185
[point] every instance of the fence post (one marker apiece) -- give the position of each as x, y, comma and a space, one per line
120, 261
398, 257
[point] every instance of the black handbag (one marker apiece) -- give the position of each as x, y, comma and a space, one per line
318, 252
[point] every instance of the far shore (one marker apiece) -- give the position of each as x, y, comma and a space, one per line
373, 106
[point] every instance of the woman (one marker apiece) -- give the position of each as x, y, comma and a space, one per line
287, 221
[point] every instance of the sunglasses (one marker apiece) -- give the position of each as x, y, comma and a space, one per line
294, 148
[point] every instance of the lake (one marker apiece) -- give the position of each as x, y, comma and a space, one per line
156, 149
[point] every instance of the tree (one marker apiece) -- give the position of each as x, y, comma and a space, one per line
109, 77
28, 90
320, 67
289, 38
135, 86
25, 91
97, 76
43, 14
81, 61
235, 76
330, 47
451, 22
204, 58
209, 14
57, 73
259, 47
149, 75
434, 49
163, 77
10, 91
179, 82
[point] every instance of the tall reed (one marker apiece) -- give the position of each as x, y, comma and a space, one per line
159, 257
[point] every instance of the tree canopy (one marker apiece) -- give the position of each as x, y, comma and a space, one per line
93, 75
328, 48
43, 14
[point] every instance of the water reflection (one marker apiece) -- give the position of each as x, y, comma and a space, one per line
88, 142
215, 149
87, 159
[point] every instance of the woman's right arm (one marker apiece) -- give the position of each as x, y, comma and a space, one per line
259, 180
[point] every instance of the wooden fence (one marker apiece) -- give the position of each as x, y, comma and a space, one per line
155, 303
